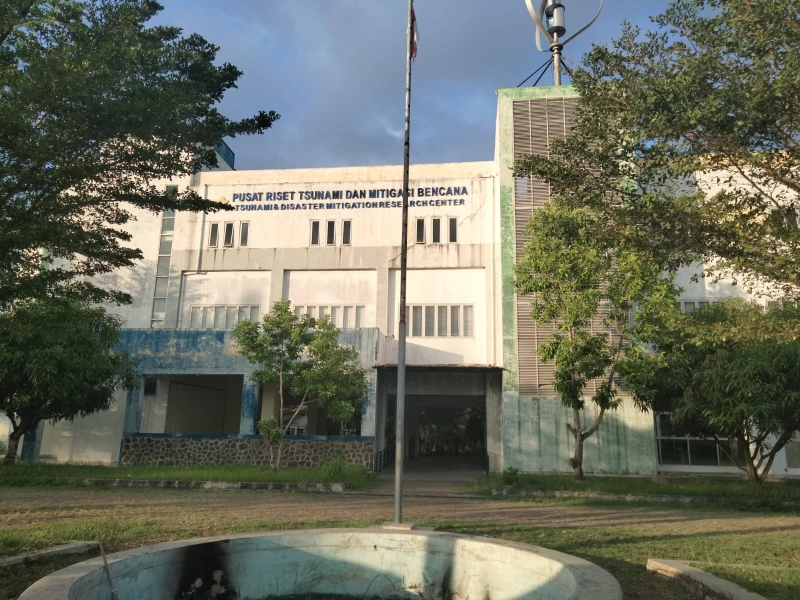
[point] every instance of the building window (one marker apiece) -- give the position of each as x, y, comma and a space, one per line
228, 242
420, 231
150, 386
346, 229
455, 320
315, 233
453, 230
416, 321
221, 317
344, 317
213, 235
347, 312
159, 312
442, 325
436, 230
467, 321
330, 238
442, 321
677, 448
244, 232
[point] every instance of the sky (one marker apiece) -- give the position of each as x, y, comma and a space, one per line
335, 72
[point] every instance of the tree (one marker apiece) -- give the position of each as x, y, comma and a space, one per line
721, 378
57, 361
687, 138
571, 269
95, 105
304, 357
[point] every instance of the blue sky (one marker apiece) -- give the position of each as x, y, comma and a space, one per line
335, 71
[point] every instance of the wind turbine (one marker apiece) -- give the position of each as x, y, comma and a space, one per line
551, 23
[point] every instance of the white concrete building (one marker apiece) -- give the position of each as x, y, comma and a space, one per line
328, 240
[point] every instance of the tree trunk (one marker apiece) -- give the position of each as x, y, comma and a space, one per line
13, 445
280, 454
277, 465
576, 462
744, 450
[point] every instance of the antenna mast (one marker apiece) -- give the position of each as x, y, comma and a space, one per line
551, 23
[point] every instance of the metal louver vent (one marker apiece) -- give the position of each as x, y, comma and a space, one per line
536, 123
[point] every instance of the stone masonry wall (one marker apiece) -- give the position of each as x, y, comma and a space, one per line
193, 452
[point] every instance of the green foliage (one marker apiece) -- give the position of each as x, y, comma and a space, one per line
277, 344
269, 430
304, 356
331, 374
723, 378
57, 361
510, 476
572, 270
686, 139
96, 105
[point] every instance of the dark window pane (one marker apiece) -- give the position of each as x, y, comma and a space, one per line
167, 225
330, 239
166, 245
729, 451
703, 452
346, 233
162, 270
437, 231
420, 231
453, 231
172, 192
674, 452
214, 235
161, 287
150, 386
430, 315
442, 329
315, 233
228, 235
243, 234
455, 313
416, 321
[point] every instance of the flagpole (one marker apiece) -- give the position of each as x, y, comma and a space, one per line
400, 417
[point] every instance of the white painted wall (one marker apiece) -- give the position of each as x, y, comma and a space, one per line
333, 288
94, 439
229, 288
440, 287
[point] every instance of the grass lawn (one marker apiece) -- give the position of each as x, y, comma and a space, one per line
619, 538
70, 475
775, 491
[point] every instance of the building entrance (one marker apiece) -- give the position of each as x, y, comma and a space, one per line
448, 429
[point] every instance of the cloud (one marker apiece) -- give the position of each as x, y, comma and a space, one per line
335, 71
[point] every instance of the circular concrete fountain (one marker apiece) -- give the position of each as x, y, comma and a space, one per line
366, 563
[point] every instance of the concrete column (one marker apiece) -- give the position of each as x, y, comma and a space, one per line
277, 287
133, 411
251, 408
382, 300
369, 410
494, 420
32, 443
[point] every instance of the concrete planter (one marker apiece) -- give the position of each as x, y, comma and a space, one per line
358, 562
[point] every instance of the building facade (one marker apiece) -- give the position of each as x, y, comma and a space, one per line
329, 240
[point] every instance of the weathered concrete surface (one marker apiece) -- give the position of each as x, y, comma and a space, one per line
704, 586
358, 562
60, 550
